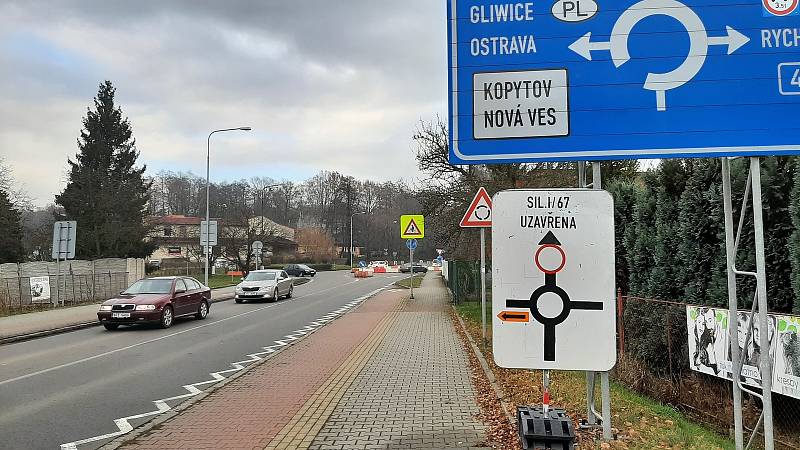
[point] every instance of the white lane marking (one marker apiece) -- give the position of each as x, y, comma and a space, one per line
123, 424
122, 349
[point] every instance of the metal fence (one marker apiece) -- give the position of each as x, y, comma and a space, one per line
464, 280
654, 360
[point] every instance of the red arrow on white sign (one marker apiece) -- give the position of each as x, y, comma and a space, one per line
479, 213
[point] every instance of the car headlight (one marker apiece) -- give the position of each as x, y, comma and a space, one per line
105, 307
145, 307
239, 290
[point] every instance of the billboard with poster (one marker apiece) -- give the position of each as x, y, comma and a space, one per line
709, 351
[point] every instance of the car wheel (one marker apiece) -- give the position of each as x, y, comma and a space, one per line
111, 326
202, 312
167, 317
275, 295
291, 290
238, 300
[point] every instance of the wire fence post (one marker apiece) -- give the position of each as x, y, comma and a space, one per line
621, 321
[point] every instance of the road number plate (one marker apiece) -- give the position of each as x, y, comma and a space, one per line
120, 315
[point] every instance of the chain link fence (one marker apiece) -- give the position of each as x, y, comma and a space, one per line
658, 345
464, 280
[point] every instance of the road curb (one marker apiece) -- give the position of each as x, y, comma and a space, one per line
191, 401
68, 328
498, 391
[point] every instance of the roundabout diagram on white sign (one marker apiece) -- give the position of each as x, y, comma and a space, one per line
699, 41
550, 269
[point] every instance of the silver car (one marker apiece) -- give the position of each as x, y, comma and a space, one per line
264, 285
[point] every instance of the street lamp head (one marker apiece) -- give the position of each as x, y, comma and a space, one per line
245, 128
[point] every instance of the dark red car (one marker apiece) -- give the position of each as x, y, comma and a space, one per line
156, 300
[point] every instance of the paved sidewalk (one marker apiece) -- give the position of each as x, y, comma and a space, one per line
64, 317
391, 374
416, 391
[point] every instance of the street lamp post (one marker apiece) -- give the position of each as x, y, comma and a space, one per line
208, 173
351, 236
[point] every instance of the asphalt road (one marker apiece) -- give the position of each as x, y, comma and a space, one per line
70, 387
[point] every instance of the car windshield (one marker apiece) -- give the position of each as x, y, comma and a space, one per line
260, 276
151, 286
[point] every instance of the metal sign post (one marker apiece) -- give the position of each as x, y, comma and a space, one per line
64, 234
759, 302
479, 215
258, 247
411, 244
208, 239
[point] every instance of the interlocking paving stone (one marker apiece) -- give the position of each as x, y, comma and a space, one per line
416, 389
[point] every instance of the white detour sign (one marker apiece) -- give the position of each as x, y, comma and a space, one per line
553, 279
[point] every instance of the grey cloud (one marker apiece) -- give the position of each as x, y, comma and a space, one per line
340, 84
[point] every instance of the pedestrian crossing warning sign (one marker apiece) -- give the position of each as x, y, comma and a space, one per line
412, 226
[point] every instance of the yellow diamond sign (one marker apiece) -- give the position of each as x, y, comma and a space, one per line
412, 226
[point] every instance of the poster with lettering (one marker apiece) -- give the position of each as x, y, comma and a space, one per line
40, 289
786, 373
707, 339
709, 350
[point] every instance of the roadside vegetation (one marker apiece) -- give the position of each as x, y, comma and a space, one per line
638, 422
406, 282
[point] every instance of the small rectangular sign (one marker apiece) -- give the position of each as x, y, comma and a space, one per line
412, 226
208, 234
64, 233
521, 104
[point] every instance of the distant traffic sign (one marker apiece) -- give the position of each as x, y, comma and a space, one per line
411, 244
64, 234
479, 213
257, 247
412, 226
208, 233
554, 259
571, 80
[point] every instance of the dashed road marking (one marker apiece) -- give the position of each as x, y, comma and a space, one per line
123, 423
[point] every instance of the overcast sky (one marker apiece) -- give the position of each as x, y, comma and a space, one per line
326, 85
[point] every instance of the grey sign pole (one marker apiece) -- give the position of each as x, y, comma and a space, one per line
64, 233
483, 285
411, 256
605, 385
761, 276
730, 251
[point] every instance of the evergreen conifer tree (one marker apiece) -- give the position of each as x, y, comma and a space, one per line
11, 249
106, 193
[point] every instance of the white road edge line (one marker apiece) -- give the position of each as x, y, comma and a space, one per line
123, 423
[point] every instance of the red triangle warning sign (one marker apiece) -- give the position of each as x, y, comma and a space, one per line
479, 213
412, 229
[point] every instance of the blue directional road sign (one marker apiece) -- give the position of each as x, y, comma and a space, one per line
411, 244
362, 264
592, 80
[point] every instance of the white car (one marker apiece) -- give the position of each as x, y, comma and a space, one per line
264, 285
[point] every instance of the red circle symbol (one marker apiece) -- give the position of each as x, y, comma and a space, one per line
553, 271
779, 12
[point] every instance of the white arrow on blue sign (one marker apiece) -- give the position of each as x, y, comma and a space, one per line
544, 81
411, 244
